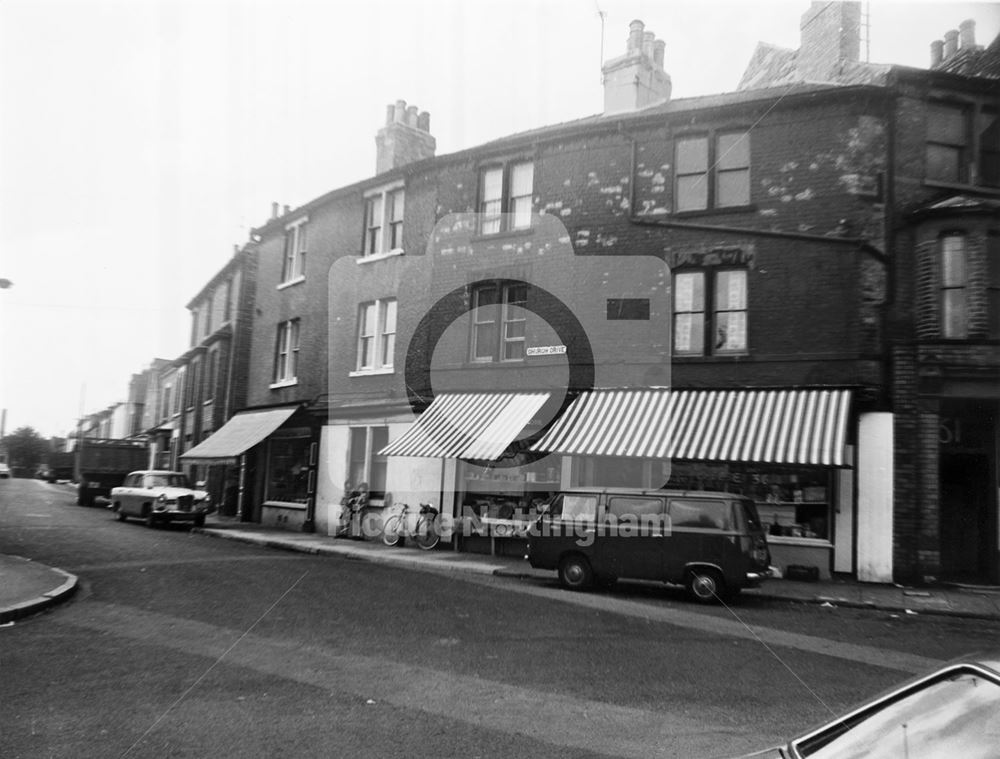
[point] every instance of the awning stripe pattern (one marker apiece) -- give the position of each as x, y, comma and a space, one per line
238, 435
468, 425
760, 426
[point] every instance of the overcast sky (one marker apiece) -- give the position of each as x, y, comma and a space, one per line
141, 139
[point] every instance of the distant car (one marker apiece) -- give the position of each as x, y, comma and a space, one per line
4, 471
159, 497
952, 712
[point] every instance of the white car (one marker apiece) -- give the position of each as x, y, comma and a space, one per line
159, 497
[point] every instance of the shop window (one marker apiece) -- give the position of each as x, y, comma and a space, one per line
699, 331
383, 221
365, 464
954, 287
376, 335
294, 264
286, 353
712, 171
288, 469
499, 320
963, 143
505, 197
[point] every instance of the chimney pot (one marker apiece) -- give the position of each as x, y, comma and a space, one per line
967, 33
937, 52
411, 116
287, 209
647, 44
399, 112
390, 112
424, 122
634, 44
274, 210
950, 43
659, 46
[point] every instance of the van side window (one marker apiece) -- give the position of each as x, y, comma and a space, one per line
578, 508
711, 515
627, 507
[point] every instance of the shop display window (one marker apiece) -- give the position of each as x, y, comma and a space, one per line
288, 470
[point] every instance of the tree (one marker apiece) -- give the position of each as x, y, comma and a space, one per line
26, 449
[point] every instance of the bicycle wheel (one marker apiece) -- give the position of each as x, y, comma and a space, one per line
426, 535
391, 530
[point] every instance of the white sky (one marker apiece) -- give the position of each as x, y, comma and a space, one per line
141, 139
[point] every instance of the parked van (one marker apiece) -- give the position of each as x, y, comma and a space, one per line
712, 543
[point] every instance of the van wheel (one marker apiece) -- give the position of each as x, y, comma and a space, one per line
705, 586
575, 572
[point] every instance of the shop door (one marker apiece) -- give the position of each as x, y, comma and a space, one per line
968, 526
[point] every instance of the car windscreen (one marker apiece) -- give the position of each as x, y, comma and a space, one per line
165, 481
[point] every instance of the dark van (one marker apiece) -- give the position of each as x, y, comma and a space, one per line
712, 543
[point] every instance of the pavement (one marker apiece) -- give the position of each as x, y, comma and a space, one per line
27, 587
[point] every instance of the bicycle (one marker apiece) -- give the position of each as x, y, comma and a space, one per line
424, 530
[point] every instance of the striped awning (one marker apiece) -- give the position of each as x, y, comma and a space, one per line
759, 426
238, 435
468, 425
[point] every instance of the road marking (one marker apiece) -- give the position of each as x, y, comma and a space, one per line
554, 718
858, 654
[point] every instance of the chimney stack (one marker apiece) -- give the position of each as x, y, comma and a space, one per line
405, 138
636, 80
830, 36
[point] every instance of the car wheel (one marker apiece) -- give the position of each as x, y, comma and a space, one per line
151, 520
199, 521
705, 586
575, 572
119, 514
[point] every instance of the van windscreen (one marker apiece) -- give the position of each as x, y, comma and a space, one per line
750, 514
579, 508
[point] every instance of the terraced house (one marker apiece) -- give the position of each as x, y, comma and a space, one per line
786, 290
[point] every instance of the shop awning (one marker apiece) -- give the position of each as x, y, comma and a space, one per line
238, 435
759, 426
468, 425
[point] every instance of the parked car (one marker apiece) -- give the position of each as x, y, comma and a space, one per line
4, 471
952, 712
712, 543
160, 497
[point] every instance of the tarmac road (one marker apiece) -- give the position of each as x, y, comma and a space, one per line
181, 645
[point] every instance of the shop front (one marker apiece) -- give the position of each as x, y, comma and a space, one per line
785, 449
270, 456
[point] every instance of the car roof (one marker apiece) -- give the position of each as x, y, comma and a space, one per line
651, 492
156, 471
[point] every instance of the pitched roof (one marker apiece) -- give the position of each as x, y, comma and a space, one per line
974, 61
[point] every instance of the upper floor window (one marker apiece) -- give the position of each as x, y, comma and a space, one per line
227, 303
505, 197
954, 287
294, 265
211, 373
384, 221
166, 400
963, 144
286, 352
712, 171
710, 312
376, 335
194, 326
993, 283
498, 322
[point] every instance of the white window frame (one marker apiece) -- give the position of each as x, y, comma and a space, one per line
505, 211
286, 354
293, 261
954, 247
501, 316
376, 341
387, 224
709, 312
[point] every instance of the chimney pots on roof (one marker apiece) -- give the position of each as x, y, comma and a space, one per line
659, 46
399, 112
950, 43
424, 121
404, 139
967, 33
274, 210
411, 116
647, 44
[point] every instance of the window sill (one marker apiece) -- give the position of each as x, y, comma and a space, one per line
380, 256
283, 383
503, 234
371, 372
965, 187
716, 211
289, 283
